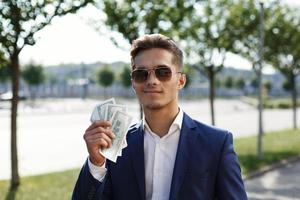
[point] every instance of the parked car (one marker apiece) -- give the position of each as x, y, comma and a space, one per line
7, 96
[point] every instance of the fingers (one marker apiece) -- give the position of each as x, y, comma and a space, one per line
99, 139
101, 130
99, 135
99, 123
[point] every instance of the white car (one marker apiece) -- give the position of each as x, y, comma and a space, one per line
7, 96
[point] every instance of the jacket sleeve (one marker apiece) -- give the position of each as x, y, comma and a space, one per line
88, 188
229, 183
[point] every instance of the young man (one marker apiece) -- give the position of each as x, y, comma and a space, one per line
169, 155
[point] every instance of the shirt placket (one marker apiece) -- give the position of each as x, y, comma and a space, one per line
157, 169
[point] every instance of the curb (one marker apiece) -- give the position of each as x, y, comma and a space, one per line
272, 167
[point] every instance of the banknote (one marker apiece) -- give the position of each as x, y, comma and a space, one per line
107, 111
95, 115
110, 110
120, 125
124, 144
99, 111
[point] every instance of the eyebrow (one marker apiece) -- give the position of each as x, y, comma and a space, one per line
157, 66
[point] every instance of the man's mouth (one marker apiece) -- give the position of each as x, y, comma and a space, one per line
152, 91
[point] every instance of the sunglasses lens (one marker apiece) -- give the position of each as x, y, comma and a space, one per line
139, 75
163, 73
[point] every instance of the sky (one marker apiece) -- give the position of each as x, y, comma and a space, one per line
70, 39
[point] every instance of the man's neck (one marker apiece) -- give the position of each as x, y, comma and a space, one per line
160, 120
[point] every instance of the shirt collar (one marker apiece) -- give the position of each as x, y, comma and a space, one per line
176, 123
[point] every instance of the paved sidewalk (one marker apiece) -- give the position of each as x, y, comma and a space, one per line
280, 184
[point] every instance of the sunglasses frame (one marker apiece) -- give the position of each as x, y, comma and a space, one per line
153, 70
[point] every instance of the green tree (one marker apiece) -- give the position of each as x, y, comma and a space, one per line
281, 28
105, 76
243, 25
218, 83
287, 86
188, 71
284, 50
207, 41
199, 24
4, 69
268, 86
4, 72
33, 75
228, 82
125, 77
240, 83
19, 21
135, 18
254, 82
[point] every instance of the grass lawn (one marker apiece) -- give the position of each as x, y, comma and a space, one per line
54, 186
277, 103
58, 186
276, 146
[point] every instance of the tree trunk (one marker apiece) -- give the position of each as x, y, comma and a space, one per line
294, 100
212, 93
15, 179
260, 117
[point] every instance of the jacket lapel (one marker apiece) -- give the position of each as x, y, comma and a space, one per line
137, 156
186, 140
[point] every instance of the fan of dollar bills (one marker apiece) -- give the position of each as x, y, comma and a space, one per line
120, 120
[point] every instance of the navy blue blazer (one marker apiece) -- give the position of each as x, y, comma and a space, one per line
206, 167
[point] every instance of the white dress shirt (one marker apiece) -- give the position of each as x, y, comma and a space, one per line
159, 155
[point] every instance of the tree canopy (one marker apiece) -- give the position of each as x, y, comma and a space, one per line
4, 68
19, 21
125, 76
133, 18
33, 74
105, 76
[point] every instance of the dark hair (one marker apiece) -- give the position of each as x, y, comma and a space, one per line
156, 41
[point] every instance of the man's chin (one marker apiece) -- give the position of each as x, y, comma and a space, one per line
153, 106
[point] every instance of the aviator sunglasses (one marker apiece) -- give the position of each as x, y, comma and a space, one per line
162, 73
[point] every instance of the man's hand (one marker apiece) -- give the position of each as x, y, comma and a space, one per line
98, 136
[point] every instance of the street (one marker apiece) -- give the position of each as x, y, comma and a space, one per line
50, 133
280, 184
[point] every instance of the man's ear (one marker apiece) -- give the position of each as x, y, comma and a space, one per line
181, 81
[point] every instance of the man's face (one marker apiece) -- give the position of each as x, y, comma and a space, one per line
154, 93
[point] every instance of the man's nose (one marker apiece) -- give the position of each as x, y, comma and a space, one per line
152, 79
